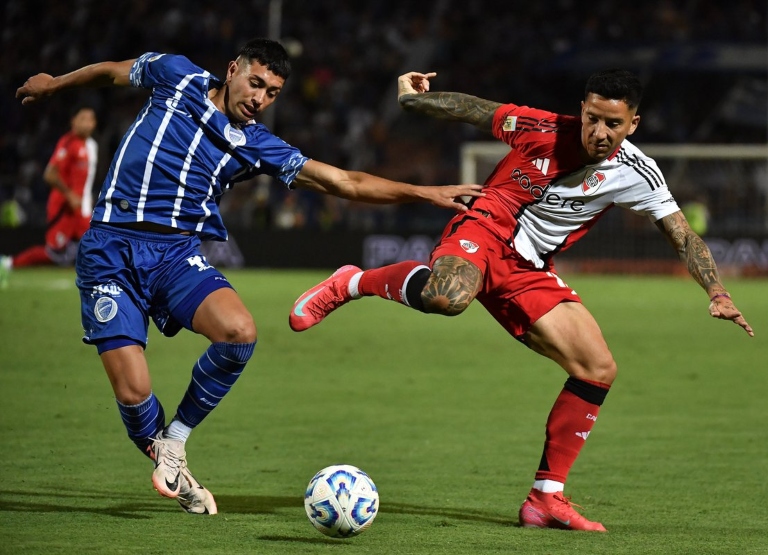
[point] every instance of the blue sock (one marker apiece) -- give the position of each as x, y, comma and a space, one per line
213, 376
143, 421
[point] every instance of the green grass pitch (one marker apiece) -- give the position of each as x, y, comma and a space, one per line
446, 415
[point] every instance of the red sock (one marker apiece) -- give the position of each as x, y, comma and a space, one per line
568, 426
388, 282
33, 256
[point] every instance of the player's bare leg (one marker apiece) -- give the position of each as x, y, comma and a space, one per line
224, 320
570, 336
448, 289
452, 286
222, 317
129, 375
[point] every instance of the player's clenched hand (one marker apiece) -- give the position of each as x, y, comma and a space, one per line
723, 308
413, 82
35, 88
449, 196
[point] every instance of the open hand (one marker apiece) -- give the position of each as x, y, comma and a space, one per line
723, 308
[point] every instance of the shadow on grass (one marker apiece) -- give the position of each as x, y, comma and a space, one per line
81, 501
137, 505
458, 514
131, 506
254, 504
317, 541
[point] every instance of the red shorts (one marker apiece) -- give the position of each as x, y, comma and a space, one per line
64, 229
514, 291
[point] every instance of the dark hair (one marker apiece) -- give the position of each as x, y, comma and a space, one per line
616, 84
77, 108
269, 53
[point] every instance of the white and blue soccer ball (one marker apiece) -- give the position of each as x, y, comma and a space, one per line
341, 501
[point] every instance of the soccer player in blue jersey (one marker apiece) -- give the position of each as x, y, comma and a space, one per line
193, 139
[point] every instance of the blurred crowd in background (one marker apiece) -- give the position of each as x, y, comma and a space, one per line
703, 62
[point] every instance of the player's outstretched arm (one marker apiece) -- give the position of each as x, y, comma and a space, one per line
697, 256
364, 187
414, 96
101, 74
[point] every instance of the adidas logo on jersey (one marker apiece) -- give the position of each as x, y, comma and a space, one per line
542, 164
583, 435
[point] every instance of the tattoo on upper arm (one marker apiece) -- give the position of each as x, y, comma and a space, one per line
453, 106
691, 248
454, 283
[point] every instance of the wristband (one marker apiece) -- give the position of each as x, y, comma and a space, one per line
726, 295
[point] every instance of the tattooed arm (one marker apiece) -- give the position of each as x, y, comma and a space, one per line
413, 96
696, 255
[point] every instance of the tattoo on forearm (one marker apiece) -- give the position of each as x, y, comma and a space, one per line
701, 265
454, 283
692, 250
452, 106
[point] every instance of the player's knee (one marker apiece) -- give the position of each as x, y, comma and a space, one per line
451, 286
128, 395
603, 370
240, 329
445, 305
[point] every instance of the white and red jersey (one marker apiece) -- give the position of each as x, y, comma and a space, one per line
549, 198
75, 159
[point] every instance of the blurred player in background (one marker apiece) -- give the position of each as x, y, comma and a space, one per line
562, 174
69, 174
194, 138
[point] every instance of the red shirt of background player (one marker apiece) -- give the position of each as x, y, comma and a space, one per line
75, 159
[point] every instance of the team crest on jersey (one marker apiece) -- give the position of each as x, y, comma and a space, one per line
469, 246
234, 135
592, 183
510, 123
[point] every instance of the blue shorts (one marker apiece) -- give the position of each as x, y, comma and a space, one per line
126, 276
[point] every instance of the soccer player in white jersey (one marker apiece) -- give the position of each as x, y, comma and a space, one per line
561, 175
195, 137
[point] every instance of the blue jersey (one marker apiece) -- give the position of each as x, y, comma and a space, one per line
182, 153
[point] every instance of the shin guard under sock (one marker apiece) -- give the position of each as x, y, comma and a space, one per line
143, 421
401, 282
568, 426
213, 376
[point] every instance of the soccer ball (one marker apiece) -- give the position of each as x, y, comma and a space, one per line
341, 501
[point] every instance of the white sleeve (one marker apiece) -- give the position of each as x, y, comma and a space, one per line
646, 191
